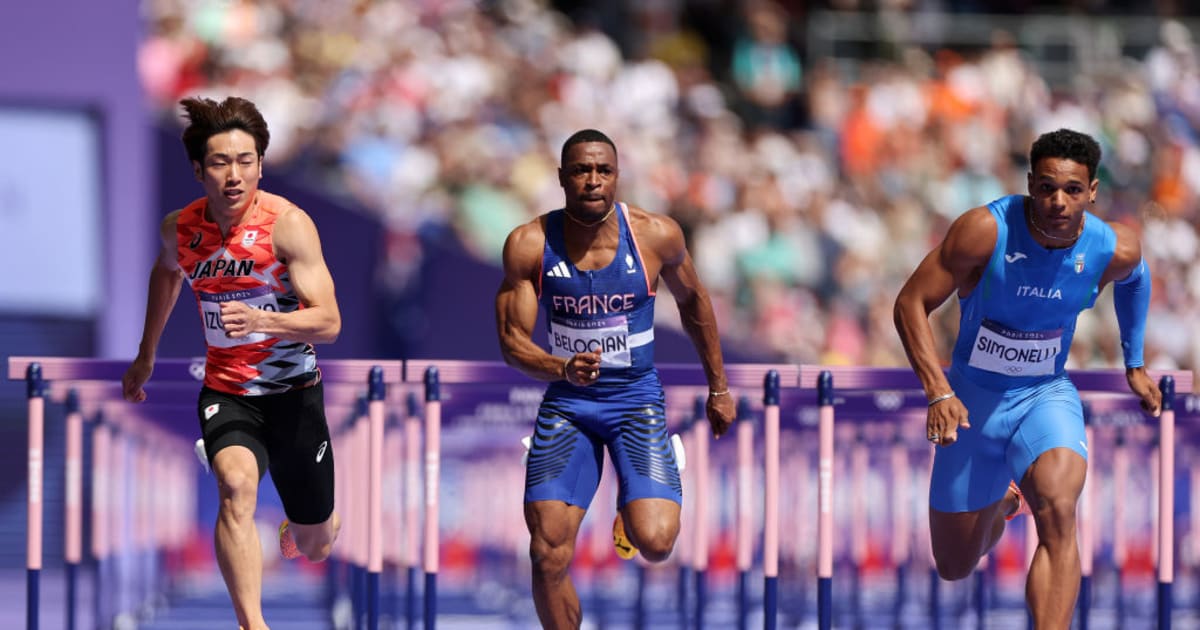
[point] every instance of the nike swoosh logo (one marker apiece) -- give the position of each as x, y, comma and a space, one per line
321, 451
1015, 256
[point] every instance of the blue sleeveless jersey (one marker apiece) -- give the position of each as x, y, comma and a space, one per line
1016, 326
610, 309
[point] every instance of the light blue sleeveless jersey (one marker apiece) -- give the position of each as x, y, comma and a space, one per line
1016, 326
610, 309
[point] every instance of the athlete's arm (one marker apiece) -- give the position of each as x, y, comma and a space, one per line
1131, 298
166, 278
298, 246
954, 265
517, 309
696, 315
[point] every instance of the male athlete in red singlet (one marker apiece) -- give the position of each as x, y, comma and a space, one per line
254, 262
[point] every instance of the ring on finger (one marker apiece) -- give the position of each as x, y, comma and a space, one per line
933, 437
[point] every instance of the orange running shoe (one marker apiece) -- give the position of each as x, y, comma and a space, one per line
1022, 504
287, 542
624, 547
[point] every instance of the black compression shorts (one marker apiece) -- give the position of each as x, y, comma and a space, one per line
288, 435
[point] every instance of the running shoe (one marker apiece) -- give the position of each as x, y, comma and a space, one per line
1022, 504
621, 542
287, 542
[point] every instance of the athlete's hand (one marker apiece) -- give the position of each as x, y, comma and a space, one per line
944, 420
583, 369
721, 411
135, 377
238, 319
1141, 384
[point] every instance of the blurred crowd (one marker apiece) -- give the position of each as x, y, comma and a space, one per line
808, 188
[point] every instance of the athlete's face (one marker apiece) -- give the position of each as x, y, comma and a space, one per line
230, 171
1061, 191
589, 179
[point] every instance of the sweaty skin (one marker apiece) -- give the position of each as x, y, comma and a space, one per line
1060, 191
588, 177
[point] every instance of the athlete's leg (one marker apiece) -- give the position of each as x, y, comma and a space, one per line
960, 539
969, 493
1052, 486
1048, 453
553, 526
302, 468
652, 525
239, 552
561, 477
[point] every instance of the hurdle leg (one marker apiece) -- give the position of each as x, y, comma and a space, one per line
433, 424
35, 391
1166, 502
825, 502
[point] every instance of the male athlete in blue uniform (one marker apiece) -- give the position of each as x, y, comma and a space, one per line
1023, 268
594, 267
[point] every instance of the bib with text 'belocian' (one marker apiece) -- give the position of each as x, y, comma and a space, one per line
609, 309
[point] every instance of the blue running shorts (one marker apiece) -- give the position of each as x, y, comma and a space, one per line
575, 423
1009, 430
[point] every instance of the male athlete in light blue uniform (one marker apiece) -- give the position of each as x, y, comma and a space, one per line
1023, 268
594, 267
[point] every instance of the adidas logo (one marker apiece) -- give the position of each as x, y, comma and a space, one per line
560, 270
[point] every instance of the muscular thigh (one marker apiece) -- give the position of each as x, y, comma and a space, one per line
971, 473
1051, 418
230, 420
565, 457
636, 433
301, 454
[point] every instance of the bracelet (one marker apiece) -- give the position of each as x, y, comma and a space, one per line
566, 376
941, 398
722, 393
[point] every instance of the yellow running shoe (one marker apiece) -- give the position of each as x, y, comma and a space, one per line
287, 542
624, 547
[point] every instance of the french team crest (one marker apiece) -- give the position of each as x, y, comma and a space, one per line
1078, 263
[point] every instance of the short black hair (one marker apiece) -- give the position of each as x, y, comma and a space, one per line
1067, 144
582, 136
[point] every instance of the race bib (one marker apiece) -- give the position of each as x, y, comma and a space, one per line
609, 335
1003, 350
210, 309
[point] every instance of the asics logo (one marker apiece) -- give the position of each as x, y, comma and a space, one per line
1015, 256
321, 451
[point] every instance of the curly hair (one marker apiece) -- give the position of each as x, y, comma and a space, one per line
1067, 144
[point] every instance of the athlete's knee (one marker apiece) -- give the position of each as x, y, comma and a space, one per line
238, 490
952, 564
316, 541
1055, 516
551, 558
655, 540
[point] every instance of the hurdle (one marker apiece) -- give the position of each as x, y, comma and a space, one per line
55, 381
822, 379
40, 372
746, 377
